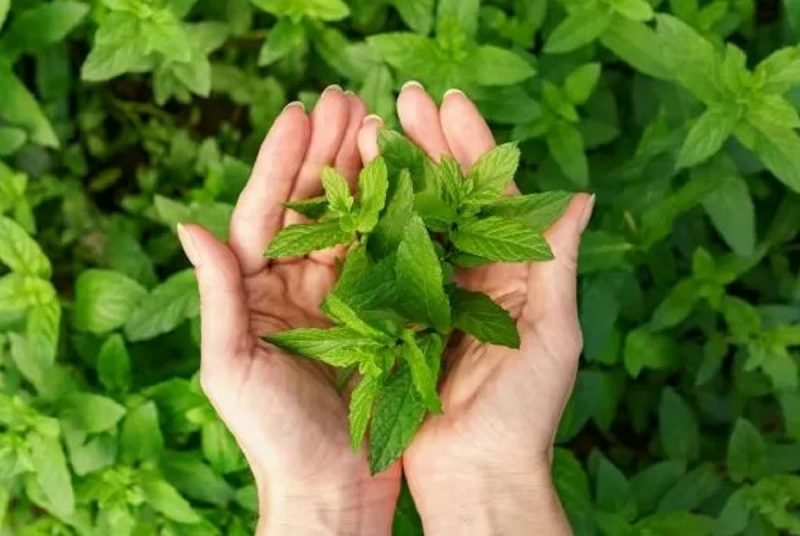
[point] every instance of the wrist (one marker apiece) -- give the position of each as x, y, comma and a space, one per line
495, 502
354, 508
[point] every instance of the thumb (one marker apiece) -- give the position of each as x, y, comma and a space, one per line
225, 335
552, 285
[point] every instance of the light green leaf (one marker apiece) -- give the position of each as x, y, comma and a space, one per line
460, 13
538, 211
373, 184
501, 239
614, 493
42, 25
113, 364
730, 209
336, 346
566, 147
282, 39
494, 66
313, 207
411, 54
337, 191
19, 108
579, 28
140, 436
707, 135
389, 232
419, 278
417, 14
572, 485
778, 149
339, 311
165, 307
195, 479
746, 452
491, 173
423, 376
52, 473
675, 524
4, 7
361, 401
477, 314
637, 44
20, 252
219, 447
301, 239
692, 490
637, 10
397, 415
91, 413
163, 498
104, 300
644, 349
117, 49
581, 82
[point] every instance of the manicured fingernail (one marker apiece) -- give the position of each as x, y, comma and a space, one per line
411, 83
188, 244
332, 87
586, 215
295, 104
372, 118
453, 91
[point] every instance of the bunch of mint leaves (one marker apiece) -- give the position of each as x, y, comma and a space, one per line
395, 305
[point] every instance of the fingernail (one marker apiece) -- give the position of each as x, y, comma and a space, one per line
372, 117
586, 215
411, 83
188, 244
350, 92
332, 87
295, 104
453, 91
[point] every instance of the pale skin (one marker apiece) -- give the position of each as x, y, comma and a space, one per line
483, 467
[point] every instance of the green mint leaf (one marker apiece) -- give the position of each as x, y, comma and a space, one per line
91, 413
389, 231
680, 436
363, 284
423, 376
580, 28
20, 252
166, 307
416, 56
500, 239
772, 110
690, 58
166, 500
114, 364
449, 181
780, 70
21, 109
636, 44
465, 260
5, 5
282, 39
463, 13
396, 417
337, 191
301, 239
402, 156
566, 146
581, 82
636, 10
336, 346
538, 211
437, 214
491, 173
417, 14
313, 207
419, 278
104, 300
778, 149
731, 211
707, 135
37, 27
140, 435
337, 310
496, 66
361, 401
373, 183
477, 314
195, 479
747, 452
117, 49
52, 472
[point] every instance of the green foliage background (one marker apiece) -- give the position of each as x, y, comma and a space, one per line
120, 118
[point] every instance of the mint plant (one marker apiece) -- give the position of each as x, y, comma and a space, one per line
395, 306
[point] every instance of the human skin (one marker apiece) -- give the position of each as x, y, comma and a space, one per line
483, 467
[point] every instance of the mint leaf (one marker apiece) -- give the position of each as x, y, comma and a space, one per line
313, 207
361, 401
707, 135
417, 14
42, 25
338, 346
581, 82
636, 44
566, 146
20, 109
500, 239
680, 437
777, 148
163, 498
104, 300
338, 311
52, 472
477, 314
580, 28
389, 231
496, 66
538, 211
140, 434
731, 211
363, 284
165, 307
337, 191
746, 452
283, 38
113, 364
397, 415
423, 376
91, 413
373, 183
20, 252
638, 10
419, 278
492, 172
301, 239
437, 214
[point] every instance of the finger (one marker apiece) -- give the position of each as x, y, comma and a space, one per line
467, 133
226, 340
419, 117
551, 304
348, 163
368, 138
259, 211
329, 121
348, 160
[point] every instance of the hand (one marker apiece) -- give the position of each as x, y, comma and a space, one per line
483, 466
284, 411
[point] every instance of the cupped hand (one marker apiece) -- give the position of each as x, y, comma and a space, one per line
483, 466
284, 411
